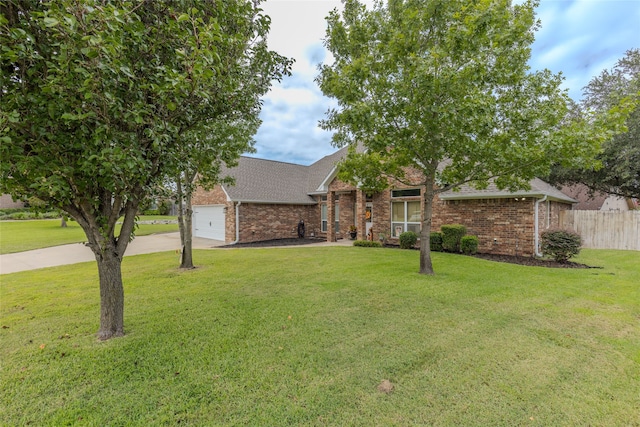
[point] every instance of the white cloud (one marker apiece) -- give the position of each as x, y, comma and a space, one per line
292, 96
579, 38
583, 37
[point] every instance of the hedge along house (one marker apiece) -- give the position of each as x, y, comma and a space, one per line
269, 199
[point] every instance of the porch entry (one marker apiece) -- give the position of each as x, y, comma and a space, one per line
368, 217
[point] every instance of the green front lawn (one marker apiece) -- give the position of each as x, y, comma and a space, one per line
304, 336
18, 236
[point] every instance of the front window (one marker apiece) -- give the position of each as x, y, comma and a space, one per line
410, 192
323, 218
405, 216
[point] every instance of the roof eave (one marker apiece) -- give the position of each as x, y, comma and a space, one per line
455, 196
275, 202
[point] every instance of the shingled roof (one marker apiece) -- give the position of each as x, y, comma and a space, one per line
538, 189
269, 181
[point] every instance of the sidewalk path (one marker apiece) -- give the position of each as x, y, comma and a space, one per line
78, 252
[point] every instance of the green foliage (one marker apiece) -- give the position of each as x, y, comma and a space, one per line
367, 243
560, 245
452, 236
358, 169
469, 245
408, 240
13, 213
300, 333
444, 87
164, 207
8, 211
104, 102
148, 78
611, 92
29, 214
36, 204
435, 241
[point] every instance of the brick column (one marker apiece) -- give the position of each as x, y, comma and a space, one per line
361, 203
331, 216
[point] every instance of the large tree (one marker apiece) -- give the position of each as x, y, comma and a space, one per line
97, 97
443, 87
224, 140
618, 170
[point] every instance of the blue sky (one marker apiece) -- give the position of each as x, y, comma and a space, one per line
579, 38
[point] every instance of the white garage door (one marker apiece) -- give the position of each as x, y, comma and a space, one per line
208, 222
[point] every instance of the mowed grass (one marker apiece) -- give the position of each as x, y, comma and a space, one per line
18, 236
304, 336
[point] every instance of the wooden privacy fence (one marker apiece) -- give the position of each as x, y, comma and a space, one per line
604, 230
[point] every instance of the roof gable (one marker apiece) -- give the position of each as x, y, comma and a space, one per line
268, 181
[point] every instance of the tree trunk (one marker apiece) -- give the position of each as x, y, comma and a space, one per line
111, 294
426, 267
63, 222
109, 252
187, 247
179, 198
185, 224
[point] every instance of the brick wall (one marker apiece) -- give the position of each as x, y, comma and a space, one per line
261, 221
345, 198
346, 218
503, 226
275, 221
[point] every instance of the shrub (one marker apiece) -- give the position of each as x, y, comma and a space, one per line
164, 208
151, 212
23, 215
451, 236
560, 244
469, 245
408, 239
383, 238
435, 241
27, 214
367, 243
10, 213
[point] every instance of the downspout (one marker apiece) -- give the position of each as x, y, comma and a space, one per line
536, 237
237, 224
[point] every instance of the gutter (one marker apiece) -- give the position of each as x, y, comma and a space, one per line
536, 237
237, 224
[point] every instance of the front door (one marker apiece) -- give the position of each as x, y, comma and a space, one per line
368, 215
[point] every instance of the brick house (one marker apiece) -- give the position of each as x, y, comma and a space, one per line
270, 198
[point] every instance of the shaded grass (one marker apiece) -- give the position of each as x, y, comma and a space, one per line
303, 336
18, 236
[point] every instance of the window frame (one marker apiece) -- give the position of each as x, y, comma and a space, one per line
401, 193
404, 197
324, 221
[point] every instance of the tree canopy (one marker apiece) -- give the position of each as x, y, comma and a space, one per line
443, 87
618, 168
99, 99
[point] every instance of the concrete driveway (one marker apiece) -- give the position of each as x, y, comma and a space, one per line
78, 252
